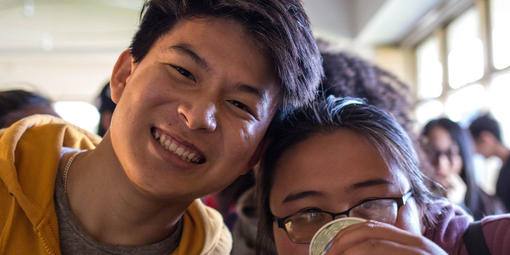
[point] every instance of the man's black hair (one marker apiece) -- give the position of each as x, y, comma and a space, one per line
485, 123
279, 27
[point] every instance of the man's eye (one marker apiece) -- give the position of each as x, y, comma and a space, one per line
184, 72
240, 106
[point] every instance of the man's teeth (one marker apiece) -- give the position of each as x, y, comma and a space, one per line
181, 151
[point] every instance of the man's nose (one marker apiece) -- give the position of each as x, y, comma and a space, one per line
198, 115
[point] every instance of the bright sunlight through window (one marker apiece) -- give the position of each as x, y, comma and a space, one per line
465, 50
79, 113
499, 92
500, 35
463, 103
429, 69
428, 110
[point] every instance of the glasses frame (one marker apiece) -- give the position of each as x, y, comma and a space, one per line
401, 201
434, 154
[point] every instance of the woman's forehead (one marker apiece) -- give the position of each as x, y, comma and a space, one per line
337, 160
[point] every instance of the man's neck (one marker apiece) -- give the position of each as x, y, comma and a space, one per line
110, 208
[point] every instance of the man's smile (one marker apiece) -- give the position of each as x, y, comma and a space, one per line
182, 151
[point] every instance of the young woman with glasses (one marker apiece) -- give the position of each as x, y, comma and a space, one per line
340, 158
450, 151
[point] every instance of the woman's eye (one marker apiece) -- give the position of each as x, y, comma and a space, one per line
376, 205
184, 72
367, 205
314, 215
240, 106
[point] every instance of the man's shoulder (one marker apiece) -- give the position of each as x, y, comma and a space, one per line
206, 225
504, 175
506, 164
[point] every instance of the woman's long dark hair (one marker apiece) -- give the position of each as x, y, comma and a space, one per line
462, 139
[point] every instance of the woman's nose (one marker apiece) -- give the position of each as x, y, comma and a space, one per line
443, 165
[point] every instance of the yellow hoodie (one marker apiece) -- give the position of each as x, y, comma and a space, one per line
29, 159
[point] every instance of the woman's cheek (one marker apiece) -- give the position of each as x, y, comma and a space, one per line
409, 218
285, 246
457, 165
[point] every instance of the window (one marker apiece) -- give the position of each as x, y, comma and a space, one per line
472, 86
499, 93
429, 69
457, 47
500, 18
465, 49
79, 113
462, 104
428, 110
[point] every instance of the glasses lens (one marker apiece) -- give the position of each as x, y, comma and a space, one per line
301, 227
382, 210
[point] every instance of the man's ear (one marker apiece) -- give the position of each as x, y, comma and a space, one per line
120, 75
261, 148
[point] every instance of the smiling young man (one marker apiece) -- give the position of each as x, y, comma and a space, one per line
195, 93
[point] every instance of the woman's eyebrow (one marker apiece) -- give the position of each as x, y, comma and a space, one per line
369, 183
359, 185
302, 194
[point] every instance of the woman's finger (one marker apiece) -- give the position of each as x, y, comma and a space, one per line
377, 247
375, 231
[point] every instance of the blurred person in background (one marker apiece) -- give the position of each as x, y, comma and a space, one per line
226, 201
348, 75
106, 106
449, 150
18, 104
488, 142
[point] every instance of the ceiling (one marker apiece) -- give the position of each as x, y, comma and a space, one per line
66, 48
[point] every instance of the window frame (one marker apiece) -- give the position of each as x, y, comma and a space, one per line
443, 16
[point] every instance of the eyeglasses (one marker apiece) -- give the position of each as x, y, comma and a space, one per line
434, 154
302, 225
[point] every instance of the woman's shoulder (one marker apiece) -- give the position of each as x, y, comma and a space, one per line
452, 222
496, 230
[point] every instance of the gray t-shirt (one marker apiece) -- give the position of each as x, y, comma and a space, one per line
74, 239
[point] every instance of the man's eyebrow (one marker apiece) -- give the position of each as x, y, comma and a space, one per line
300, 195
369, 183
251, 90
187, 50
